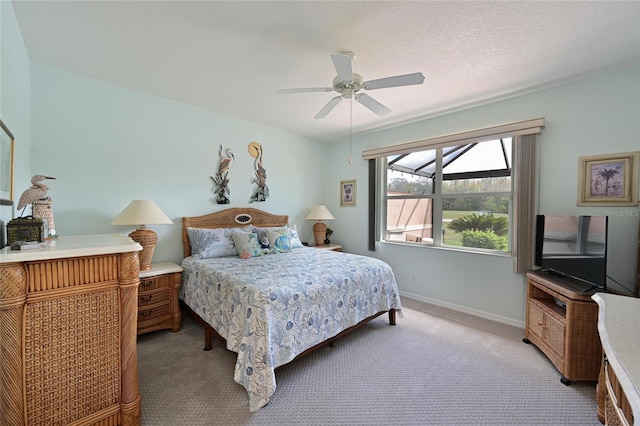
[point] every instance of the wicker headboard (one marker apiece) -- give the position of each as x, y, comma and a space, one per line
229, 218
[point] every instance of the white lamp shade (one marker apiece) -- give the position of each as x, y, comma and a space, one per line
142, 212
320, 212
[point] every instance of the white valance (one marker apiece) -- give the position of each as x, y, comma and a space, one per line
529, 127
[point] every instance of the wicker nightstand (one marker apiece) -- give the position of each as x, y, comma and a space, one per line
332, 247
158, 306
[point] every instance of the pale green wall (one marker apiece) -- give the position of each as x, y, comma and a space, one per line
594, 116
15, 108
108, 145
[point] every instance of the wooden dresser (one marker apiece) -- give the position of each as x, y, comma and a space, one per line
68, 316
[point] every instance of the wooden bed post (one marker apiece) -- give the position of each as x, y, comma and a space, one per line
392, 317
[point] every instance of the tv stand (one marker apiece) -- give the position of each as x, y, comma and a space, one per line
563, 324
576, 285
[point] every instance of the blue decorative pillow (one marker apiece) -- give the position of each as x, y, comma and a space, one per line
292, 230
293, 236
262, 231
279, 240
210, 243
247, 244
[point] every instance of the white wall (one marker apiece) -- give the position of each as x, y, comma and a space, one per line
108, 145
594, 116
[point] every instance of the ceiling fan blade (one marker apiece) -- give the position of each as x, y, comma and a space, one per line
304, 90
328, 107
372, 104
398, 80
342, 63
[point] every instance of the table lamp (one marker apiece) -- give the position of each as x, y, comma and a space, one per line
142, 213
319, 213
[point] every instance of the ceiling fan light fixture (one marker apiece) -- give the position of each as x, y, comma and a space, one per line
355, 83
348, 84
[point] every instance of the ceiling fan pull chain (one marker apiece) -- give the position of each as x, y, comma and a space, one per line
350, 129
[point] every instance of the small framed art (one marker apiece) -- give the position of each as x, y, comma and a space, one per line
348, 192
7, 142
608, 180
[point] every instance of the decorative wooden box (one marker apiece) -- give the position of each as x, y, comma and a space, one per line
25, 229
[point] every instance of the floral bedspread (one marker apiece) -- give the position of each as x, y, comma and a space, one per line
271, 308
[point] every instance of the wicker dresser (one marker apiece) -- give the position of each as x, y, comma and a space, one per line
618, 325
68, 333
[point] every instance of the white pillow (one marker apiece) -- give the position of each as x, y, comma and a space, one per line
293, 235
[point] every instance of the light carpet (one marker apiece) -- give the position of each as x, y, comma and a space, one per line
435, 367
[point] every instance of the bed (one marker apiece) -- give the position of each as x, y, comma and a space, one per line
273, 308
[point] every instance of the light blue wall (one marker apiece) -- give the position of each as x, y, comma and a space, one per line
594, 116
15, 106
108, 145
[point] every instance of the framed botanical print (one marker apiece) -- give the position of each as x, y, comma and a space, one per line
7, 142
608, 180
348, 192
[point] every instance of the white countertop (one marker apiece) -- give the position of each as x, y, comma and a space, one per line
619, 328
72, 246
160, 268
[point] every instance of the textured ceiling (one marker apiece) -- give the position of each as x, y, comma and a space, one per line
230, 57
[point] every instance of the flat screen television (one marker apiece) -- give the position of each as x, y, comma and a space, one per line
574, 247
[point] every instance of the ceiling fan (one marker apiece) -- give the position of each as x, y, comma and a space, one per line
349, 84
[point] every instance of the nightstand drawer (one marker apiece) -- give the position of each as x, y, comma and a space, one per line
153, 297
153, 312
154, 283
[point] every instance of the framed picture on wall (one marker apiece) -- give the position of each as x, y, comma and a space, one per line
608, 180
7, 142
348, 192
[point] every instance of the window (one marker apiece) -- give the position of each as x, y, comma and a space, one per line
441, 178
455, 196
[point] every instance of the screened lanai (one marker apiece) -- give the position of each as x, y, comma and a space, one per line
476, 179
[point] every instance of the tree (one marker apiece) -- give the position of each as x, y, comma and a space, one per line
499, 225
607, 174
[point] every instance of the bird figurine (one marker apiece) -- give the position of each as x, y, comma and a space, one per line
221, 179
36, 192
261, 192
225, 161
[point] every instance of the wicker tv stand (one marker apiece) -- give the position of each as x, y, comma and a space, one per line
563, 324
68, 333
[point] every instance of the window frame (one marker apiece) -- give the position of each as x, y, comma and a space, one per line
525, 165
438, 196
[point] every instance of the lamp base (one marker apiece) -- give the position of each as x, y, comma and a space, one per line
148, 240
319, 233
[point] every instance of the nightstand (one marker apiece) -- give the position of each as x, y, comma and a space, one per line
332, 247
158, 306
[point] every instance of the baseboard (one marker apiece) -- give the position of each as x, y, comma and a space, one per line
466, 310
